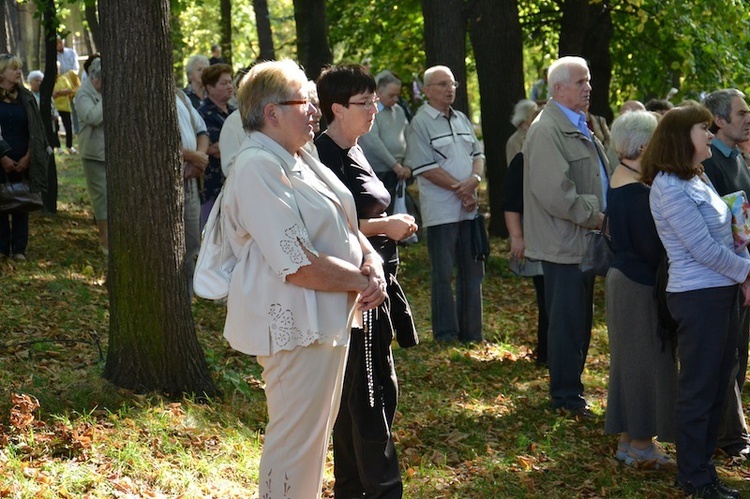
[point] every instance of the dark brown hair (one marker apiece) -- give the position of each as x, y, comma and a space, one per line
671, 149
211, 74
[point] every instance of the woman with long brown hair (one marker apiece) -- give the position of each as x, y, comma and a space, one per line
703, 289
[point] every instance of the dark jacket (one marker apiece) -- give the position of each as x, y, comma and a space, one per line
40, 149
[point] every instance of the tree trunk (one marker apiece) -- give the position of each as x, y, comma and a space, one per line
596, 51
500, 74
152, 341
93, 22
586, 30
265, 35
10, 30
226, 31
445, 42
313, 51
50, 24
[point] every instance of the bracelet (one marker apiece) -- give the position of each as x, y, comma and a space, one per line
477, 176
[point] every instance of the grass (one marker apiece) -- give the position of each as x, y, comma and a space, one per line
473, 421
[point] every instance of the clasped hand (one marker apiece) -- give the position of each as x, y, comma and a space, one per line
375, 292
400, 226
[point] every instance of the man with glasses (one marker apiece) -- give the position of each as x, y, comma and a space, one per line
445, 157
385, 144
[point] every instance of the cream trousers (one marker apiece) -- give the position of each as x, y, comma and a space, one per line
303, 391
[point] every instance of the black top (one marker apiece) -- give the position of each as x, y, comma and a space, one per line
638, 248
370, 195
727, 174
15, 128
513, 195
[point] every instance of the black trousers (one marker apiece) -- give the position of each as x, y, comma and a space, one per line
707, 337
365, 463
68, 125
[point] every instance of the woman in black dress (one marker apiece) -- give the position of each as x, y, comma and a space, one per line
364, 455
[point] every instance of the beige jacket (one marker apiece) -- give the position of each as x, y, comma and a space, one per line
562, 187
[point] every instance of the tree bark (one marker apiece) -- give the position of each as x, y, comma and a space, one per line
93, 22
265, 35
596, 51
50, 24
226, 31
152, 340
313, 51
10, 30
500, 74
445, 42
586, 30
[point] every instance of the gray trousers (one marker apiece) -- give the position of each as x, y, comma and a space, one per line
569, 297
733, 434
449, 248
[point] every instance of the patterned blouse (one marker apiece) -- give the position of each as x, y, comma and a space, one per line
213, 177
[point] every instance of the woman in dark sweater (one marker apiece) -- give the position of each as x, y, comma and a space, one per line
642, 374
27, 155
364, 455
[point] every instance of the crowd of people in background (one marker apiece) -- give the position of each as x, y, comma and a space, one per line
307, 174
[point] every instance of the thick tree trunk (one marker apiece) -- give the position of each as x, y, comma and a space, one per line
93, 22
152, 341
49, 30
586, 30
596, 51
226, 31
265, 35
445, 41
313, 51
500, 74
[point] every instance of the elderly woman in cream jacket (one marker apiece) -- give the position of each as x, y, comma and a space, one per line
303, 271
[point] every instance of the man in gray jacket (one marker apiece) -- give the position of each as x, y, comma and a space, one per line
565, 182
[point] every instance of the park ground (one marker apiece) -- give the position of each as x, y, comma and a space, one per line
473, 420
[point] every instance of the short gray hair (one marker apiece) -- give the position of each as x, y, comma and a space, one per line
522, 111
267, 83
33, 75
385, 78
95, 69
559, 71
190, 65
631, 132
720, 102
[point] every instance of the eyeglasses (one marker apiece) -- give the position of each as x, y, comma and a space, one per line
444, 84
368, 105
301, 102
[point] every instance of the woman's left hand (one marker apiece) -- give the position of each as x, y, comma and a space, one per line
375, 292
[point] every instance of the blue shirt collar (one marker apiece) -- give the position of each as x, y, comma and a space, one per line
575, 117
728, 152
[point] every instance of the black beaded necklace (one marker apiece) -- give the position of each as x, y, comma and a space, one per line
630, 168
